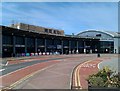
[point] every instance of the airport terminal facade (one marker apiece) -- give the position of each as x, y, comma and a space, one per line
29, 40
109, 41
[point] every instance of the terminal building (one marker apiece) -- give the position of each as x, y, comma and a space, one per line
28, 40
109, 41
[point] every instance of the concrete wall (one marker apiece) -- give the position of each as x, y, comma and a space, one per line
117, 45
37, 28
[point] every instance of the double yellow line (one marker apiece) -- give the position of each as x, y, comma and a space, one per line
24, 78
77, 75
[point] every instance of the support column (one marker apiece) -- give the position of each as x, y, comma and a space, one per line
69, 47
14, 51
77, 48
116, 45
1, 43
84, 47
62, 46
45, 46
25, 45
35, 45
53, 45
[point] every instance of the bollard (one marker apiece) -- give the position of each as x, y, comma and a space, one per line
98, 55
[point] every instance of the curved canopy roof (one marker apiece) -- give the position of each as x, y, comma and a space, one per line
111, 33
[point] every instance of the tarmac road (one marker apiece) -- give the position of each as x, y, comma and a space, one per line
58, 76
14, 67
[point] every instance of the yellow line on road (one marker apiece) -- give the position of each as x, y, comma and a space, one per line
77, 75
26, 77
79, 84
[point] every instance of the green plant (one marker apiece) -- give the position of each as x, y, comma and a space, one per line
104, 78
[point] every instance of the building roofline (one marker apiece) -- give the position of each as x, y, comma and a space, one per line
102, 31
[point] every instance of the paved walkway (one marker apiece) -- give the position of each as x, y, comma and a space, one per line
112, 64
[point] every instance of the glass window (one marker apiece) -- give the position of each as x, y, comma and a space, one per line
98, 35
46, 30
20, 40
30, 42
40, 42
7, 39
50, 30
54, 31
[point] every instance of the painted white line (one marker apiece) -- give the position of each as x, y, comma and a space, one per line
88, 65
21, 69
6, 63
1, 87
2, 70
99, 65
28, 76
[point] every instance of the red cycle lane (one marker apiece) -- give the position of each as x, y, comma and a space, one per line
82, 72
28, 60
9, 79
86, 70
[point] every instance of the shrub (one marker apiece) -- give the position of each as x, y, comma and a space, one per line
104, 78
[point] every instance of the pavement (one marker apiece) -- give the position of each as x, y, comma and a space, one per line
113, 64
84, 70
54, 74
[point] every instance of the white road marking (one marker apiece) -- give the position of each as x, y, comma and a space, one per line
1, 87
2, 70
6, 63
21, 69
88, 65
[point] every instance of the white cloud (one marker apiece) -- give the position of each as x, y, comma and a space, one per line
72, 17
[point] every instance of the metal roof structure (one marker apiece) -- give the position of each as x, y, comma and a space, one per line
22, 32
111, 33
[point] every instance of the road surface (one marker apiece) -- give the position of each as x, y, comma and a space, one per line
55, 72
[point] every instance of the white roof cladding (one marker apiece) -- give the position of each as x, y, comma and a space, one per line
110, 33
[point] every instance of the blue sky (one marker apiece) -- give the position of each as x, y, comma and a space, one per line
72, 17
